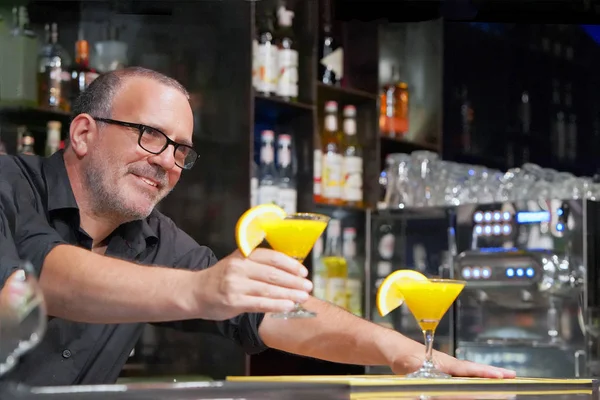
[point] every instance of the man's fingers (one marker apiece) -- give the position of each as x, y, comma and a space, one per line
14, 290
267, 305
261, 289
279, 260
277, 277
471, 369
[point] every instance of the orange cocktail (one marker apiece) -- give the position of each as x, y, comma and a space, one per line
295, 235
428, 300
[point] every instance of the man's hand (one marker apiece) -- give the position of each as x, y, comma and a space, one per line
452, 366
266, 281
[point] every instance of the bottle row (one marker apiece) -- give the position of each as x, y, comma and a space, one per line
274, 180
26, 140
338, 160
338, 271
338, 165
42, 72
275, 56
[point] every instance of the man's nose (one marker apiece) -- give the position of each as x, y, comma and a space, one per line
166, 159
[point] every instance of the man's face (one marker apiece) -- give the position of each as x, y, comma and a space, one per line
125, 181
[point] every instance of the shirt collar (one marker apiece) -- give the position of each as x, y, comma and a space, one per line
60, 197
59, 191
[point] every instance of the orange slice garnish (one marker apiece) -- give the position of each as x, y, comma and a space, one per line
248, 230
388, 296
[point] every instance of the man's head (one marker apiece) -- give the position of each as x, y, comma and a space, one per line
120, 179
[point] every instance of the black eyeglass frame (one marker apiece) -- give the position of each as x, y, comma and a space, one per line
141, 128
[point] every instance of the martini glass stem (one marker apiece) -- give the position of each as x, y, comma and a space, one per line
428, 334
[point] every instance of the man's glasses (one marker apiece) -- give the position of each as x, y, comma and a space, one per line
155, 142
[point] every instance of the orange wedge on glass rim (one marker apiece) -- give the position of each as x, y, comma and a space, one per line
388, 296
248, 230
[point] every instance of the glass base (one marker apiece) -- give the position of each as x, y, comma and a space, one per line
299, 312
428, 371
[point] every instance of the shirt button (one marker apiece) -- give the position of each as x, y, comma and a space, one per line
66, 353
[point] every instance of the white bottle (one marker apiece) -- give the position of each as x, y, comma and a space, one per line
354, 283
287, 195
287, 58
267, 185
319, 274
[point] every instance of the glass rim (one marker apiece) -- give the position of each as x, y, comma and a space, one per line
308, 216
435, 280
448, 280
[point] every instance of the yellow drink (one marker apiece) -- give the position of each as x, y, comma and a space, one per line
337, 276
429, 300
294, 237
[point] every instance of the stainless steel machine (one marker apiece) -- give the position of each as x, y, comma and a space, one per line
532, 294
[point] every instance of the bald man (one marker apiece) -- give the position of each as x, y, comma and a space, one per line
109, 262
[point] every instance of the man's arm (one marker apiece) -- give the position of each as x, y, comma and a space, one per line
86, 287
83, 286
338, 336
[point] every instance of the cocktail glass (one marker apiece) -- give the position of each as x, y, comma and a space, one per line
22, 317
295, 236
428, 301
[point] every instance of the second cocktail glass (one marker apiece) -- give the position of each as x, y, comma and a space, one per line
428, 301
295, 236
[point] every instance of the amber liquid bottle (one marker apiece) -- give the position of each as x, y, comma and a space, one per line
393, 118
52, 64
332, 178
82, 75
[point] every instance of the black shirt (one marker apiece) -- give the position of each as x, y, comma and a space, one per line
38, 211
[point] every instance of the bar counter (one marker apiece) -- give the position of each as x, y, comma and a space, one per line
319, 388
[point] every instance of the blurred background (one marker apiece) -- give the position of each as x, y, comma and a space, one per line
296, 103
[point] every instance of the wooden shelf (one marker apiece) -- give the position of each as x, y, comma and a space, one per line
412, 213
407, 145
11, 112
344, 95
282, 103
341, 208
276, 109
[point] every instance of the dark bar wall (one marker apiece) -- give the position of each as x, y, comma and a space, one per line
207, 45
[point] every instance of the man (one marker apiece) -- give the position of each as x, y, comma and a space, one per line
109, 262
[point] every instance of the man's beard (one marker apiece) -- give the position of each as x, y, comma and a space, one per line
108, 199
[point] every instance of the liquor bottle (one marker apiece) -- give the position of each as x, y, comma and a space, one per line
354, 283
287, 195
82, 75
28, 141
287, 56
353, 161
319, 272
331, 54
266, 57
393, 120
317, 170
52, 68
255, 69
53, 137
18, 49
331, 179
267, 175
335, 265
254, 185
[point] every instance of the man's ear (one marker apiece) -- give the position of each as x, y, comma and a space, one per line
82, 133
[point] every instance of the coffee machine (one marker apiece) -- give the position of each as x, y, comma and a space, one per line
531, 299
